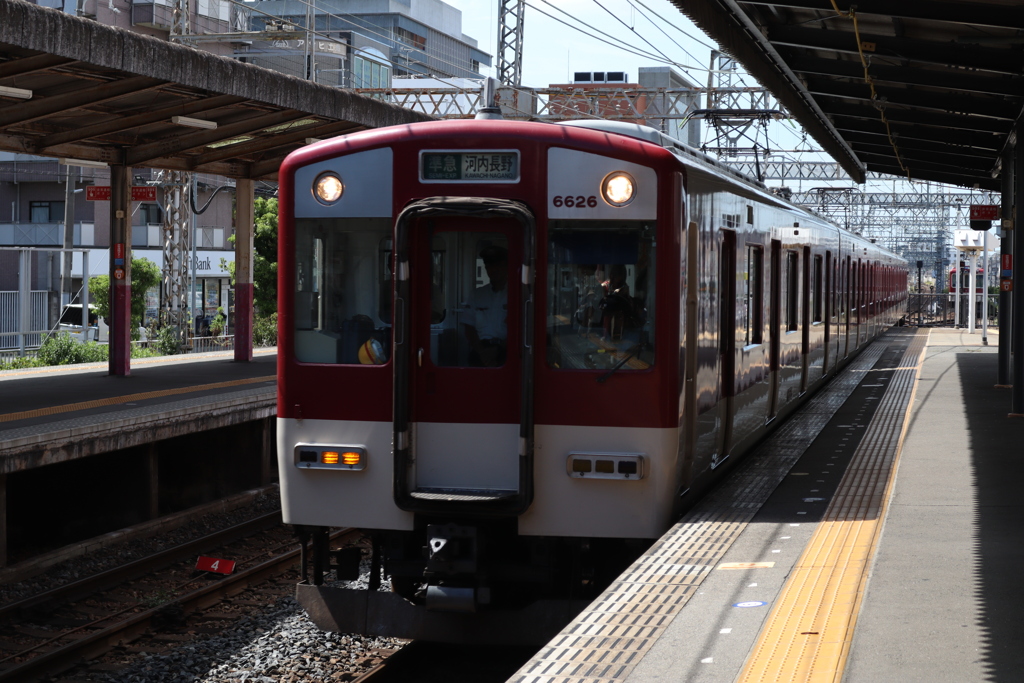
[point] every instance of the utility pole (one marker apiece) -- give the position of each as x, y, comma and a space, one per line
510, 42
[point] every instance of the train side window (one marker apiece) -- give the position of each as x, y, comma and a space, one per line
792, 291
340, 264
753, 299
816, 289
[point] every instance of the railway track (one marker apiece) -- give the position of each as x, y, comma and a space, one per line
54, 631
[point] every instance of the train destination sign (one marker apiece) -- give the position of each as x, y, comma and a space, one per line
476, 166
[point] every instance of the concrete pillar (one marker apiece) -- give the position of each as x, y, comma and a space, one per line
269, 455
153, 477
3, 520
120, 271
244, 254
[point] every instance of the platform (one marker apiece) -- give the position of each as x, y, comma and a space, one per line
816, 562
54, 414
179, 431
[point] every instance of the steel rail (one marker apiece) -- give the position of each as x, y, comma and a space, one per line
95, 644
112, 577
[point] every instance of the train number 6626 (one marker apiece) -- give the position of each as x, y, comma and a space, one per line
578, 201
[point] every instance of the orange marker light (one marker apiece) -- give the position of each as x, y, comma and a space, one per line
350, 457
330, 457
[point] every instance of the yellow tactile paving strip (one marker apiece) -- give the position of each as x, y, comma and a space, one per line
608, 639
115, 400
807, 636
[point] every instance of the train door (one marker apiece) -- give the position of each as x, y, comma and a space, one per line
463, 399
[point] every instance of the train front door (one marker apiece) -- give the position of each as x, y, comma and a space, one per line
466, 398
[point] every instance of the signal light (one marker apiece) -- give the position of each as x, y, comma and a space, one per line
330, 457
622, 466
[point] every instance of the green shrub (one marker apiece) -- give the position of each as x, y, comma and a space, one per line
60, 349
167, 341
264, 330
20, 362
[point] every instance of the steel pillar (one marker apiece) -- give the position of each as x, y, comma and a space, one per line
1017, 342
120, 271
24, 299
972, 296
510, 42
1005, 249
177, 240
245, 228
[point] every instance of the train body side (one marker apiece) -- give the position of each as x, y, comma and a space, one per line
505, 345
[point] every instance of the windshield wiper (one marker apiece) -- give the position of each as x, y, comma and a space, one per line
615, 368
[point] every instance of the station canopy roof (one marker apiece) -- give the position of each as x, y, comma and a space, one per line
926, 90
74, 88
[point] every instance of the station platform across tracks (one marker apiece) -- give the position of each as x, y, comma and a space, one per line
59, 413
875, 537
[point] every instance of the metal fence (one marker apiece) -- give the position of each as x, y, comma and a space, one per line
939, 310
10, 319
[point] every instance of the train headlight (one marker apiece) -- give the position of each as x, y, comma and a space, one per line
328, 188
618, 189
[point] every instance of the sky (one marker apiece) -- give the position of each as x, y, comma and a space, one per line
552, 51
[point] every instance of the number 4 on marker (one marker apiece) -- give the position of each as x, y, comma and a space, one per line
217, 566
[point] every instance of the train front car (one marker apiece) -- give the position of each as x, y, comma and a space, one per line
479, 364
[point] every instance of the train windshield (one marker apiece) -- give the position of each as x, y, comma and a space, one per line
339, 315
601, 295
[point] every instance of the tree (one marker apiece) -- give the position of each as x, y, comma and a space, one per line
264, 265
145, 274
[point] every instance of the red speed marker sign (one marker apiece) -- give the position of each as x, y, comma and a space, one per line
212, 564
97, 193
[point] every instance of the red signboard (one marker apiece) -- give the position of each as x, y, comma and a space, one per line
1006, 285
143, 193
1007, 261
984, 212
97, 193
212, 564
118, 250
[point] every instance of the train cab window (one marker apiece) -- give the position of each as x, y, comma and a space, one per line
600, 301
792, 291
338, 274
753, 297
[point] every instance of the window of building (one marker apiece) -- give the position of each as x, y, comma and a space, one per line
46, 212
151, 214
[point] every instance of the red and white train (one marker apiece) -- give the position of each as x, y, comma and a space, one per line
514, 352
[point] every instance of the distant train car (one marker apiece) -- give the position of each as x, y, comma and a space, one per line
965, 279
514, 352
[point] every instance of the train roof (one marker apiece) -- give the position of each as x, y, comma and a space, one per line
705, 163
